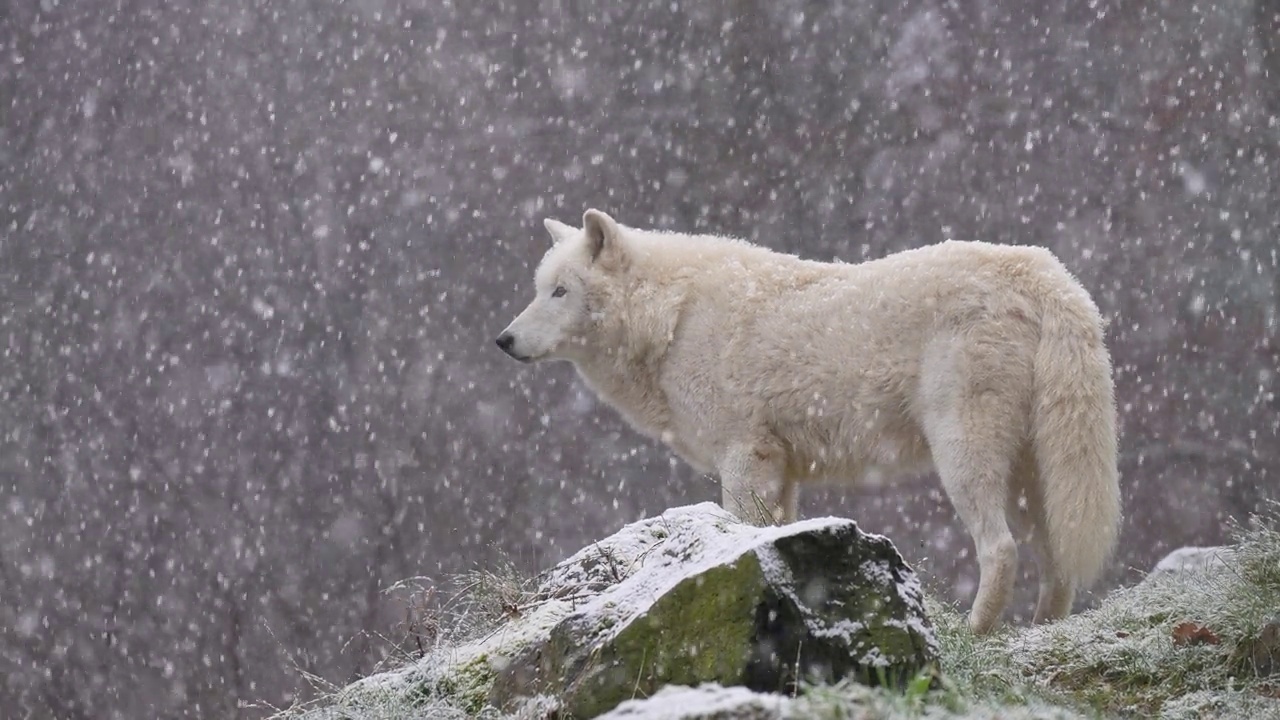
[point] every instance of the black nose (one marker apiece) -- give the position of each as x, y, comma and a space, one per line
505, 341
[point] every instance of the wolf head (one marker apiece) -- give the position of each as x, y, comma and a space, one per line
571, 286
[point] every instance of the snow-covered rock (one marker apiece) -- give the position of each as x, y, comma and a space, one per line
1194, 559
695, 596
711, 701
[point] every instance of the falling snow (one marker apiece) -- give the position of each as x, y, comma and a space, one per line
255, 255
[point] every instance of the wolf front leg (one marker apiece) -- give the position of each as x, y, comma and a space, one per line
754, 485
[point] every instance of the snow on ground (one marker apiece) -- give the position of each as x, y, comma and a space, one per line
709, 700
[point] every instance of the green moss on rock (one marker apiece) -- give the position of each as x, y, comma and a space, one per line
701, 630
467, 684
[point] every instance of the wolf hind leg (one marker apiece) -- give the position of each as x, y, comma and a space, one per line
974, 461
1056, 593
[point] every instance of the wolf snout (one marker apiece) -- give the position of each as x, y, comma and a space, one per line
507, 342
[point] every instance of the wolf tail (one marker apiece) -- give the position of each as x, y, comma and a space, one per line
1074, 436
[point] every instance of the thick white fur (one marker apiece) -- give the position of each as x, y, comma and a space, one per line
985, 362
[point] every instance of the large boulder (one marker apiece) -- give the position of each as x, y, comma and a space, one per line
695, 596
692, 598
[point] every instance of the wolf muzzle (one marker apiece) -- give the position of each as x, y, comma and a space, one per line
507, 342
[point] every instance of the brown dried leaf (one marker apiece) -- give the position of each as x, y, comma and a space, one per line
1189, 633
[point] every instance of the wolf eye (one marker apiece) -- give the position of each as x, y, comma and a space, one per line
559, 291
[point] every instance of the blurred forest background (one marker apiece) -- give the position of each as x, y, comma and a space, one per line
253, 256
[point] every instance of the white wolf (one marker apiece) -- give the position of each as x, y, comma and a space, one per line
773, 371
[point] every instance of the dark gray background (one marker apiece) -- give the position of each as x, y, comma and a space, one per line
253, 255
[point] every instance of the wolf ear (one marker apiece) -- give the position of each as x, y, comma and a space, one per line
559, 231
604, 241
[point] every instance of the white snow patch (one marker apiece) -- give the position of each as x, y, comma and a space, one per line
1190, 559
708, 700
847, 629
505, 642
663, 546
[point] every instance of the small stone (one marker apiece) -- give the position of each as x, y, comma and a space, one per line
1264, 650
